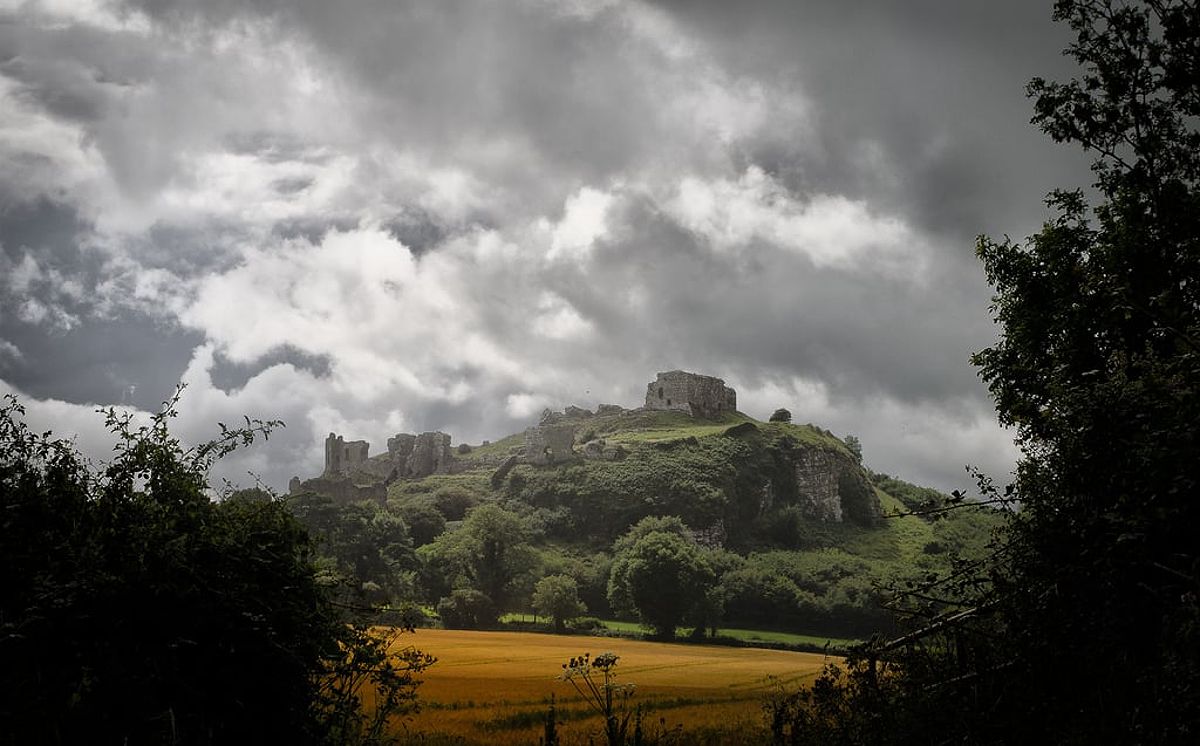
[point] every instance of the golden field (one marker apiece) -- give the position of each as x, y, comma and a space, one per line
493, 687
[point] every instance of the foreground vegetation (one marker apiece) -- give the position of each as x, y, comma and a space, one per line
1083, 626
135, 609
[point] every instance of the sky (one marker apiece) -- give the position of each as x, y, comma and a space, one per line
379, 217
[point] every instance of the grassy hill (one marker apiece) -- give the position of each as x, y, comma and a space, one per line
744, 487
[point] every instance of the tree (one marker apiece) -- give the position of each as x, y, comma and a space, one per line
1093, 587
1098, 369
781, 415
557, 596
466, 608
133, 608
364, 545
489, 553
663, 577
425, 522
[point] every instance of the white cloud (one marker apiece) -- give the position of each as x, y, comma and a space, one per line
558, 319
584, 222
831, 230
525, 405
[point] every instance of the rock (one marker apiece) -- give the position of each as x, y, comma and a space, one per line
817, 485
501, 474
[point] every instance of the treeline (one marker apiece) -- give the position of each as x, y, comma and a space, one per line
472, 558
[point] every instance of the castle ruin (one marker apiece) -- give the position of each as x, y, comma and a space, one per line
549, 444
351, 474
341, 456
699, 396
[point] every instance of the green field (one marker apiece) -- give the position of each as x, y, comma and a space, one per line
767, 638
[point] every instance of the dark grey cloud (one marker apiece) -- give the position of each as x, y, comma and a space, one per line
227, 374
128, 359
938, 86
402, 216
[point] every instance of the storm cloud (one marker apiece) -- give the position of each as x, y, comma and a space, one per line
378, 217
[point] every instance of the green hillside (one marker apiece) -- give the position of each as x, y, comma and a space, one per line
794, 535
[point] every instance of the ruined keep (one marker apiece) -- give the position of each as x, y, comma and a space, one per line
699, 396
341, 456
549, 444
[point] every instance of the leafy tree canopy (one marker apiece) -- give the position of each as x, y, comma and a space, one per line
557, 596
663, 577
134, 609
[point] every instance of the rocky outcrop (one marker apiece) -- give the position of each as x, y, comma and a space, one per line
699, 396
498, 476
830, 487
817, 485
599, 450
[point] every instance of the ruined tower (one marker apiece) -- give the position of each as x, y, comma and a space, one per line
340, 455
699, 396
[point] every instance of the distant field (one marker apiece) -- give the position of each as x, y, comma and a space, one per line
492, 687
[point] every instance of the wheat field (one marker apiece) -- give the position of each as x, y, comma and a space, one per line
493, 687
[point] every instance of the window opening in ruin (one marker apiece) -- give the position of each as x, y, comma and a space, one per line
668, 402
660, 392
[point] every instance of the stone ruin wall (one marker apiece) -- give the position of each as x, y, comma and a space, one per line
549, 444
341, 456
430, 455
699, 396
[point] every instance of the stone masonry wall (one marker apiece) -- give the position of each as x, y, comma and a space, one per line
430, 455
341, 455
549, 444
699, 396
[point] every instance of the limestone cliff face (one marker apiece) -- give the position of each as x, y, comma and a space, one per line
817, 485
832, 487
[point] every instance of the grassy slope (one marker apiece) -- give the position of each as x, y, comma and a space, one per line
666, 449
633, 429
699, 455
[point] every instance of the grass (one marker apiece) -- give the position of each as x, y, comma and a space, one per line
651, 427
752, 637
475, 482
901, 539
493, 687
494, 451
